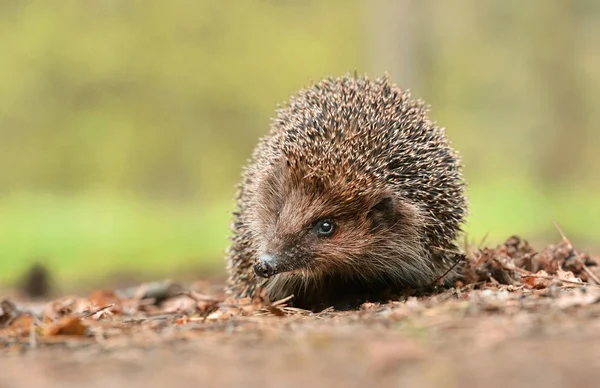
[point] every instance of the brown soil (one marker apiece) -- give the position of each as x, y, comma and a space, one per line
518, 318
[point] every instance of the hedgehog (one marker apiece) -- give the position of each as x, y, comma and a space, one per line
353, 192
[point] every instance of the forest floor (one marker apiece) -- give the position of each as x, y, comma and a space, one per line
519, 317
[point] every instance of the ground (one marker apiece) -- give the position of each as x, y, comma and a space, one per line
518, 317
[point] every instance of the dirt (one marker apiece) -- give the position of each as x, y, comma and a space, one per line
518, 317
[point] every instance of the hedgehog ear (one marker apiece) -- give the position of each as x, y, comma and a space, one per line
385, 211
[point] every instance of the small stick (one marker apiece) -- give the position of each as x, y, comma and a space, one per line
198, 297
585, 267
297, 310
456, 262
89, 314
582, 283
591, 274
483, 240
561, 233
33, 339
282, 301
525, 273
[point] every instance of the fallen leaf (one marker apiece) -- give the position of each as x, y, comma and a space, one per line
20, 326
8, 312
568, 275
540, 280
65, 307
66, 326
102, 298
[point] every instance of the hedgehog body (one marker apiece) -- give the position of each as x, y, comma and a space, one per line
353, 191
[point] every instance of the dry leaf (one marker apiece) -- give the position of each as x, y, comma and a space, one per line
8, 312
102, 298
20, 326
568, 275
66, 326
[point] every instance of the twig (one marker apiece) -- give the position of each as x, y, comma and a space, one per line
470, 286
525, 273
33, 339
460, 259
483, 240
94, 312
282, 301
585, 267
561, 233
297, 310
198, 297
154, 290
591, 274
548, 277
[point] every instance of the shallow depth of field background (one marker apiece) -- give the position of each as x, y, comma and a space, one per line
124, 124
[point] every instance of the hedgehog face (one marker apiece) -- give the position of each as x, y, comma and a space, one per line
296, 250
315, 229
299, 231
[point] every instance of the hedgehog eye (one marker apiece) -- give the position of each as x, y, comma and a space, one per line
324, 228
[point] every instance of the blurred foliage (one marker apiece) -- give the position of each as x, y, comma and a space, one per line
163, 100
124, 124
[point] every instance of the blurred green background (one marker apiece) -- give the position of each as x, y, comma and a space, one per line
124, 124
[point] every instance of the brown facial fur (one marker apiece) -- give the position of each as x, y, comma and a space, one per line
364, 155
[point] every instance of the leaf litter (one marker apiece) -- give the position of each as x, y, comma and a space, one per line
510, 294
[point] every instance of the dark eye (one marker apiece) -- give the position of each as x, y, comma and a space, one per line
324, 228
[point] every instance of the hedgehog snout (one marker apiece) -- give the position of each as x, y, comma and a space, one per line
265, 266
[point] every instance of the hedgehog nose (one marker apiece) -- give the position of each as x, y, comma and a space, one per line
265, 266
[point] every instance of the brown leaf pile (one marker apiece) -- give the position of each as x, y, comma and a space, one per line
516, 263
